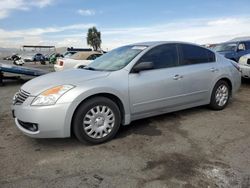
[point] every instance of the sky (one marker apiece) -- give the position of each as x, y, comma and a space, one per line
64, 23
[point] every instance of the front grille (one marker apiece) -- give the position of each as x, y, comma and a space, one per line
20, 97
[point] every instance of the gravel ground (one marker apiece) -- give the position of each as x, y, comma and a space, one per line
191, 148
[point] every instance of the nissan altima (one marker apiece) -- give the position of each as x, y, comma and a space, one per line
128, 83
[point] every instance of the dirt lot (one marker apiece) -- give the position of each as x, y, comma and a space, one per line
192, 148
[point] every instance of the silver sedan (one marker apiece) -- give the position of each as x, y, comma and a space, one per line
129, 83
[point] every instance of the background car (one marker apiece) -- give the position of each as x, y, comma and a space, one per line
129, 83
233, 50
244, 64
38, 57
78, 60
53, 57
7, 58
68, 54
27, 57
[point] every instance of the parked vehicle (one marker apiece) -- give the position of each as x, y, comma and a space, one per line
78, 60
28, 57
47, 56
54, 57
129, 83
233, 50
17, 60
7, 58
70, 51
38, 57
68, 54
244, 64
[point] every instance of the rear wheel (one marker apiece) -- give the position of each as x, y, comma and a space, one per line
220, 95
97, 120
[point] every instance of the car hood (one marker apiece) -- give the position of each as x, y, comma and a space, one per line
74, 77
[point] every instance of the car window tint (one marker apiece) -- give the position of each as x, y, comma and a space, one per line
94, 56
162, 56
192, 54
247, 45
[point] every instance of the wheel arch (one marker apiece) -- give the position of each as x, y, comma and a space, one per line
108, 95
226, 79
229, 82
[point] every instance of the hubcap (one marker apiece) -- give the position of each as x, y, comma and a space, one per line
221, 95
99, 121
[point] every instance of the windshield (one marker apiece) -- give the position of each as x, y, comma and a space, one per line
68, 54
116, 59
225, 47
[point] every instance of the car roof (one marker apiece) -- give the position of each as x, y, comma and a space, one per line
83, 55
238, 41
156, 43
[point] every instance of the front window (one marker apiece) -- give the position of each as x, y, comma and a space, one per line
226, 47
116, 59
162, 56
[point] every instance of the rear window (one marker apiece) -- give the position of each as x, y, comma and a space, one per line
192, 54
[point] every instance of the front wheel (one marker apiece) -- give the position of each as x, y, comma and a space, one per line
97, 120
220, 95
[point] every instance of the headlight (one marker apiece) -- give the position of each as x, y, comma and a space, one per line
243, 60
50, 96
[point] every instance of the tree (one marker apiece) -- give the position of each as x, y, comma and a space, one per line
94, 38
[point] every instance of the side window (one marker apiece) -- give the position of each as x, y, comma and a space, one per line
247, 45
241, 47
162, 56
192, 54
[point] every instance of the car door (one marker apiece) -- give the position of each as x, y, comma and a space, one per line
199, 69
159, 87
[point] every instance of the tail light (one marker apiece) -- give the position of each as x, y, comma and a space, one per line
236, 65
61, 63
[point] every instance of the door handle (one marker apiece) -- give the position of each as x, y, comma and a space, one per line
214, 69
177, 77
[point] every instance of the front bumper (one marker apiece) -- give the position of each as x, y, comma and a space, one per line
245, 71
51, 120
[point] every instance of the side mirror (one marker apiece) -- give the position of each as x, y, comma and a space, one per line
143, 66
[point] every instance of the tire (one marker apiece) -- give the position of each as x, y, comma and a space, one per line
96, 120
220, 95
